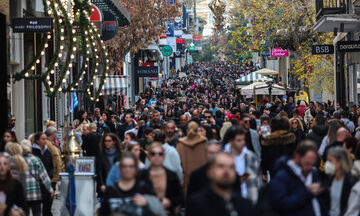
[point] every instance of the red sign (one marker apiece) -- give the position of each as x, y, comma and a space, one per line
151, 64
279, 52
180, 41
197, 37
163, 36
95, 14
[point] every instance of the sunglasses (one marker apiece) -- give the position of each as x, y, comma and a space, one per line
153, 154
293, 122
207, 116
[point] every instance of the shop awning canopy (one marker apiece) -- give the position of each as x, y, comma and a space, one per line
115, 8
267, 71
250, 78
260, 87
114, 85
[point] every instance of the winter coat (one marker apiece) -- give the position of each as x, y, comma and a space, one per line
300, 135
45, 157
302, 110
353, 205
288, 194
349, 181
91, 144
317, 134
277, 144
192, 154
208, 203
56, 159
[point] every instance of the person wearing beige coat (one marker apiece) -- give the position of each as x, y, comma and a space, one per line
55, 153
192, 151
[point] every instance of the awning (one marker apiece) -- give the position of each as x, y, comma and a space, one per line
250, 78
267, 71
262, 88
114, 85
115, 8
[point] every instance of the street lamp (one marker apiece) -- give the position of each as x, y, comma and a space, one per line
270, 83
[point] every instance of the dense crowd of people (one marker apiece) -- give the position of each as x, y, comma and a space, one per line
194, 146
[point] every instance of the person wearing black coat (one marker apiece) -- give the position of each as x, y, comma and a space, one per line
166, 183
296, 187
279, 143
91, 142
218, 198
40, 150
110, 153
318, 131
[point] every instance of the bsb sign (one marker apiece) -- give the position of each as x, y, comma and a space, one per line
348, 46
322, 49
34, 24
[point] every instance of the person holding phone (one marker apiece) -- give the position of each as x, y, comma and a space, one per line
296, 188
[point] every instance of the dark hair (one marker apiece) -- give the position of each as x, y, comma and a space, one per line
159, 136
264, 118
80, 114
234, 121
279, 123
218, 114
208, 112
244, 115
305, 146
256, 113
345, 114
131, 135
351, 142
320, 120
37, 136
129, 155
13, 135
296, 111
114, 137
208, 130
232, 132
132, 145
148, 130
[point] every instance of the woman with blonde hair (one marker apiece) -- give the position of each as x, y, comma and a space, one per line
35, 177
17, 162
191, 150
297, 128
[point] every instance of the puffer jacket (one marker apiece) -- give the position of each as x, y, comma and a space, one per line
277, 144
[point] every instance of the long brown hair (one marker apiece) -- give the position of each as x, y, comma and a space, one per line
114, 137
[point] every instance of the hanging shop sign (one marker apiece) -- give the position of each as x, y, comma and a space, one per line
279, 52
147, 71
96, 15
348, 46
167, 50
109, 27
33, 24
322, 49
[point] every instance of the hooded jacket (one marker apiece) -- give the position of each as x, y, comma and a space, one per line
192, 154
277, 144
317, 134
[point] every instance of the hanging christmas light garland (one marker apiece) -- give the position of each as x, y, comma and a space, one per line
66, 42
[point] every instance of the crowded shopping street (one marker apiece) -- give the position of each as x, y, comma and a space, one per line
179, 108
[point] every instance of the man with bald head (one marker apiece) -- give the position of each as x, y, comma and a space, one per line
196, 116
341, 134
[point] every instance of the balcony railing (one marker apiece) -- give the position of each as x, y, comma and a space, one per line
326, 7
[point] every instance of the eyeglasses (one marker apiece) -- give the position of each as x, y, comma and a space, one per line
294, 122
207, 117
108, 140
160, 154
124, 166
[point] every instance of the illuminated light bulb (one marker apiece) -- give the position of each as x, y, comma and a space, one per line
73, 31
86, 65
42, 53
60, 89
48, 3
70, 65
107, 67
97, 100
74, 49
74, 39
96, 50
100, 94
49, 83
60, 55
49, 37
96, 70
51, 89
107, 60
104, 81
46, 45
72, 89
72, 56
62, 38
88, 52
107, 74
56, 64
62, 30
87, 45
64, 80
38, 61
33, 68
97, 56
88, 90
50, 12
26, 74
86, 32
67, 72
52, 71
61, 46
94, 77
84, 72
71, 21
94, 43
80, 78
90, 30
97, 64
47, 77
76, 84
91, 83
87, 59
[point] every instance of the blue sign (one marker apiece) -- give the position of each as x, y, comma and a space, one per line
170, 30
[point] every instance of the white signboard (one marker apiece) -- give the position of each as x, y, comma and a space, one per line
171, 41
